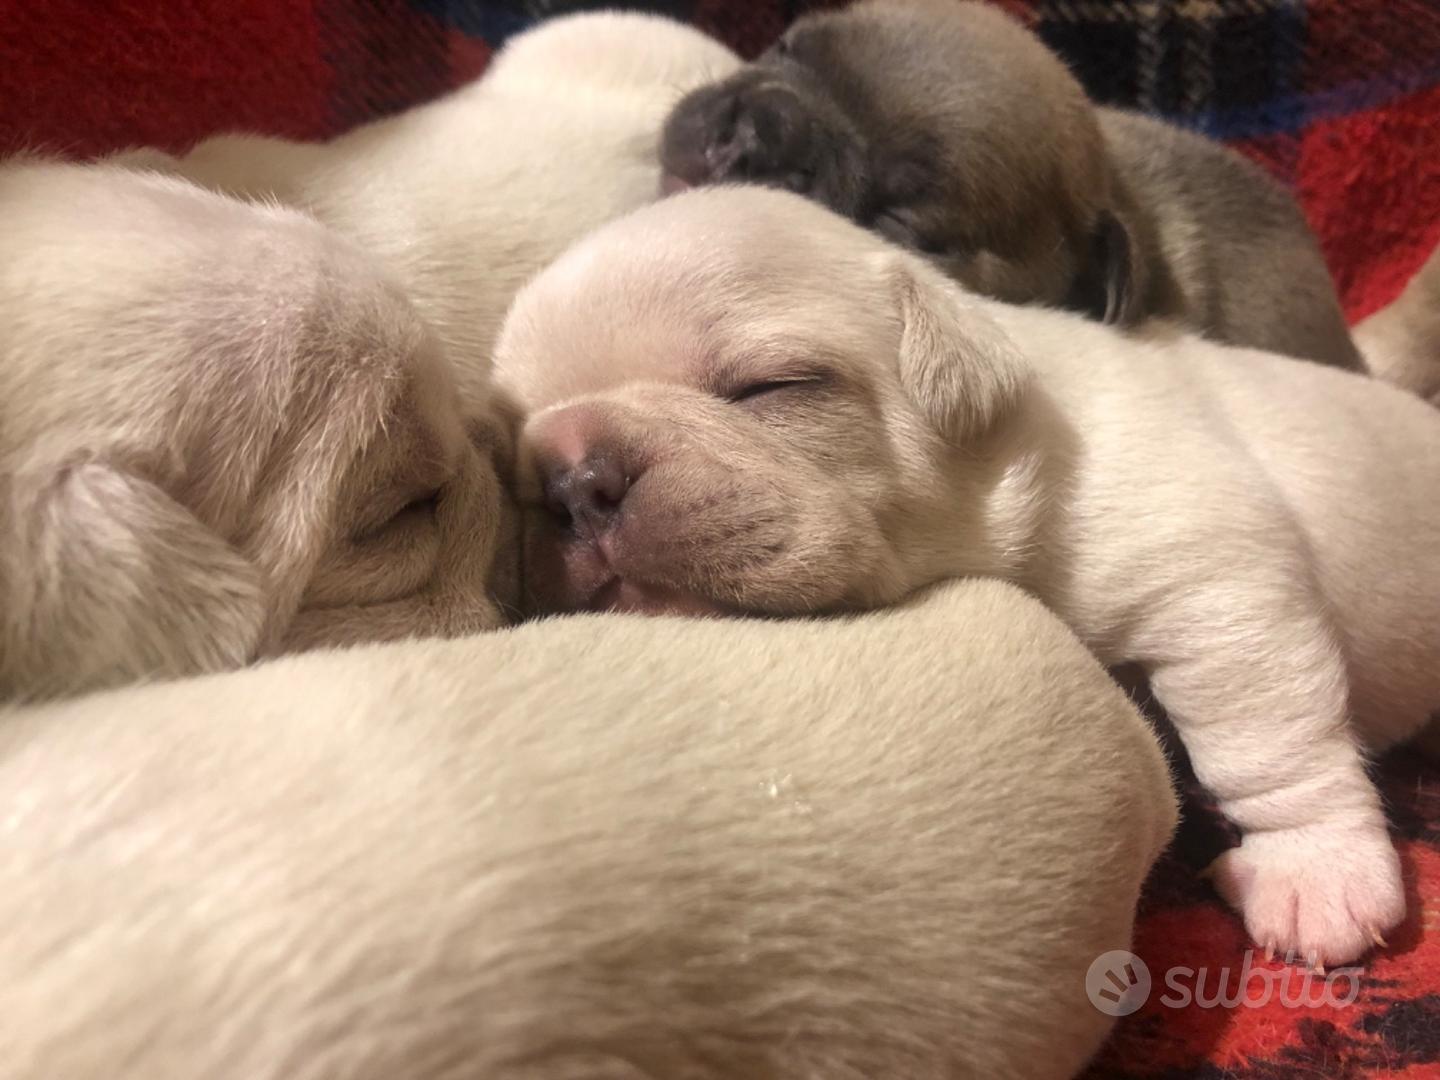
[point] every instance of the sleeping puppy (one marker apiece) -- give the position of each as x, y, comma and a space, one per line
466, 198
951, 129
741, 402
214, 415
481, 859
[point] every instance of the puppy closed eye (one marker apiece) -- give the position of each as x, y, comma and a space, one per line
383, 561
422, 504
766, 391
419, 510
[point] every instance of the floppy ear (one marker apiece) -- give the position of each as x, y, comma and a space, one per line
956, 363
1112, 281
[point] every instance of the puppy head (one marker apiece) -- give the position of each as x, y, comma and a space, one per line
423, 539
739, 401
379, 511
946, 127
773, 122
227, 421
608, 52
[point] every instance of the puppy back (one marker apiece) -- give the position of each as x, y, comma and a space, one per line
1233, 254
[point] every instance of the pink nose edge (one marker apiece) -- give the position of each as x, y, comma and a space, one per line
563, 437
670, 184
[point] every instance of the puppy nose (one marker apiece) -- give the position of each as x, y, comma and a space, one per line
587, 495
755, 135
733, 143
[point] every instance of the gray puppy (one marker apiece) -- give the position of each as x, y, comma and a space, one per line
952, 130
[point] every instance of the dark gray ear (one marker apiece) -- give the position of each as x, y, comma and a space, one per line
955, 363
1112, 282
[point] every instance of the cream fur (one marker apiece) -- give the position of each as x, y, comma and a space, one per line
128, 509
806, 418
867, 847
468, 197
1401, 342
214, 415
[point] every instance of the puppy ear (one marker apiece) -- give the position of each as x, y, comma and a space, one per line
956, 363
1112, 280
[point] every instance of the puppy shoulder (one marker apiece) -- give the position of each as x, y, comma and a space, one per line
611, 50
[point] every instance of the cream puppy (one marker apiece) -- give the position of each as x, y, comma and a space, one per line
213, 416
886, 856
468, 197
742, 401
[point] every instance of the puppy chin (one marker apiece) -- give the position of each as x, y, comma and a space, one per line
566, 573
642, 599
670, 184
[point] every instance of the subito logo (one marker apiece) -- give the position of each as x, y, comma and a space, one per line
1117, 983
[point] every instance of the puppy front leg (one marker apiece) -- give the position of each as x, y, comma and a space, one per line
111, 580
1264, 718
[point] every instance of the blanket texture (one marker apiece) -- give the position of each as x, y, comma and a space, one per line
1338, 98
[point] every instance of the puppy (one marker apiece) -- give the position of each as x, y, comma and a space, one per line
466, 198
951, 129
214, 415
1401, 342
741, 401
886, 856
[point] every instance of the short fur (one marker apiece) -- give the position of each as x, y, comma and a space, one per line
887, 855
951, 129
802, 417
466, 198
1401, 342
214, 415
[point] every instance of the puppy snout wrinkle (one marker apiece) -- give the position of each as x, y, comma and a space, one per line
737, 147
725, 146
587, 497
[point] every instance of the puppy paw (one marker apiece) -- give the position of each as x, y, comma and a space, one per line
1324, 894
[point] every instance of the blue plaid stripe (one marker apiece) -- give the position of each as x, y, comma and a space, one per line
1233, 69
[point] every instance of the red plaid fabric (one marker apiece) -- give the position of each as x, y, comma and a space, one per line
1338, 98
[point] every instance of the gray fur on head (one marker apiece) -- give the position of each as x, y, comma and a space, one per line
953, 131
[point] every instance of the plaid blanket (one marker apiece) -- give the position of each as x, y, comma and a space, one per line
1339, 98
